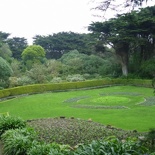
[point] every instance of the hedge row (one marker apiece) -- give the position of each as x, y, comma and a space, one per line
39, 88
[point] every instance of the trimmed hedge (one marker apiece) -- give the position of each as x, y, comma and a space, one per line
39, 88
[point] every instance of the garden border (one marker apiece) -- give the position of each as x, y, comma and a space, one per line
40, 88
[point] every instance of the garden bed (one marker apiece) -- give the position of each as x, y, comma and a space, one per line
74, 131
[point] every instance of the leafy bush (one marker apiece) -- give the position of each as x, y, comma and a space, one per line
56, 80
13, 82
39, 149
87, 76
16, 67
49, 149
18, 141
24, 80
96, 76
10, 122
37, 73
149, 139
112, 146
75, 77
148, 69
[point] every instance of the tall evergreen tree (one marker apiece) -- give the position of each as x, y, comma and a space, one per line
17, 45
129, 34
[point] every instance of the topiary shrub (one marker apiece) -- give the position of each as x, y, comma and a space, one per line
10, 122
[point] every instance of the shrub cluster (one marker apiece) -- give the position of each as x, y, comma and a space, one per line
18, 141
74, 78
10, 122
112, 146
22, 142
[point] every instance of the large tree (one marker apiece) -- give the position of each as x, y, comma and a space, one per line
131, 32
3, 37
17, 45
108, 32
33, 54
120, 5
57, 44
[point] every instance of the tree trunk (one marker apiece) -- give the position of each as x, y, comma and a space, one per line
122, 52
124, 69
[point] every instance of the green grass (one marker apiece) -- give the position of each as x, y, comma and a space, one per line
119, 106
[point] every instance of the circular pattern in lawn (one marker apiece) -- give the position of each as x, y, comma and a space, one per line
115, 100
111, 100
101, 102
104, 102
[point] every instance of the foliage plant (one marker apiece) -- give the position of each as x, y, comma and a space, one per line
39, 149
56, 80
25, 142
74, 78
148, 68
18, 141
149, 140
22, 142
112, 146
10, 122
49, 149
74, 131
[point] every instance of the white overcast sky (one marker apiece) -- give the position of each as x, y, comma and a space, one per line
27, 18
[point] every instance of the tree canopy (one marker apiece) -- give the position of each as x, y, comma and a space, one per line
3, 37
33, 54
17, 45
118, 5
56, 45
131, 33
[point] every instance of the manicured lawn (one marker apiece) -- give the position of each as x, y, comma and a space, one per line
126, 107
